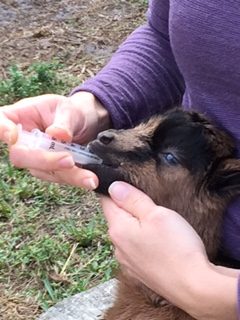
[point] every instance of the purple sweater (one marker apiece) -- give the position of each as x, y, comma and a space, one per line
190, 50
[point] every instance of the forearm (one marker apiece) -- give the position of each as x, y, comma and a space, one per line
217, 297
238, 297
142, 77
210, 294
228, 271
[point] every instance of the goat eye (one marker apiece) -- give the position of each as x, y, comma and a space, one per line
170, 159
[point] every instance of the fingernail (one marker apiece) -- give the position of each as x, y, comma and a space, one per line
119, 190
89, 183
66, 162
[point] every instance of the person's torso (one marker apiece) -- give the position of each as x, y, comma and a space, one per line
205, 39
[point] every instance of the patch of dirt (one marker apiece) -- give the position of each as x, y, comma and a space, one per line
16, 307
80, 33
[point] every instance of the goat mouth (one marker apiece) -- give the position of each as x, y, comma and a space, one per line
103, 153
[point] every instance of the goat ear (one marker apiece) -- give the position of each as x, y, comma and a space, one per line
226, 179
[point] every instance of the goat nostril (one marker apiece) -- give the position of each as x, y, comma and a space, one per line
106, 137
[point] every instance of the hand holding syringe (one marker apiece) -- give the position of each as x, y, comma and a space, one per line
37, 139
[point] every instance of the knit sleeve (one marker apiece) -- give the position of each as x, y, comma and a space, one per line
238, 298
142, 77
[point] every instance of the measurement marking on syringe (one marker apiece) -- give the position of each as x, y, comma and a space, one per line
38, 139
52, 146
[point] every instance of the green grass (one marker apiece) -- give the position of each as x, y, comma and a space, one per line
39, 78
53, 240
46, 242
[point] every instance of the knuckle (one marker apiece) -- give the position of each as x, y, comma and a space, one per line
136, 202
115, 234
112, 233
159, 215
45, 160
46, 163
15, 159
34, 173
118, 255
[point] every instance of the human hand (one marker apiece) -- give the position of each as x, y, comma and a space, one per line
77, 118
159, 248
150, 241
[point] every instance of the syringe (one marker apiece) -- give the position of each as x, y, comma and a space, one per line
37, 139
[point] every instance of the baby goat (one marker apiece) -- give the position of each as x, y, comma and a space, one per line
183, 163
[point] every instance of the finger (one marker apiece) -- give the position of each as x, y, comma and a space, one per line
8, 130
118, 221
44, 175
23, 157
131, 199
66, 121
26, 111
112, 212
74, 177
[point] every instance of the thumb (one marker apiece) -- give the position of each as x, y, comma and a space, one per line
66, 120
131, 199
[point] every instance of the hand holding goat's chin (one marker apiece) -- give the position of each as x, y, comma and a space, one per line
158, 247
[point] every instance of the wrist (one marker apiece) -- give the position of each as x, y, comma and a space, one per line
201, 290
238, 296
212, 294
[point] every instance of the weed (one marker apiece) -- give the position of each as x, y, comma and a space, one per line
39, 78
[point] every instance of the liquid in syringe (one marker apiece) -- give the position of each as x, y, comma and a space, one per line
37, 139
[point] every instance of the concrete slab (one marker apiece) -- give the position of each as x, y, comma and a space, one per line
88, 305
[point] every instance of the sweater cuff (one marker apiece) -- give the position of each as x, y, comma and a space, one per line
238, 298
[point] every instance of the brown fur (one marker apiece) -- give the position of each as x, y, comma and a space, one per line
194, 195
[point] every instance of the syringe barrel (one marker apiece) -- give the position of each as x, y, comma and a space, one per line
37, 139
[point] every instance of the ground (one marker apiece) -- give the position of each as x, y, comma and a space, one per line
81, 34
